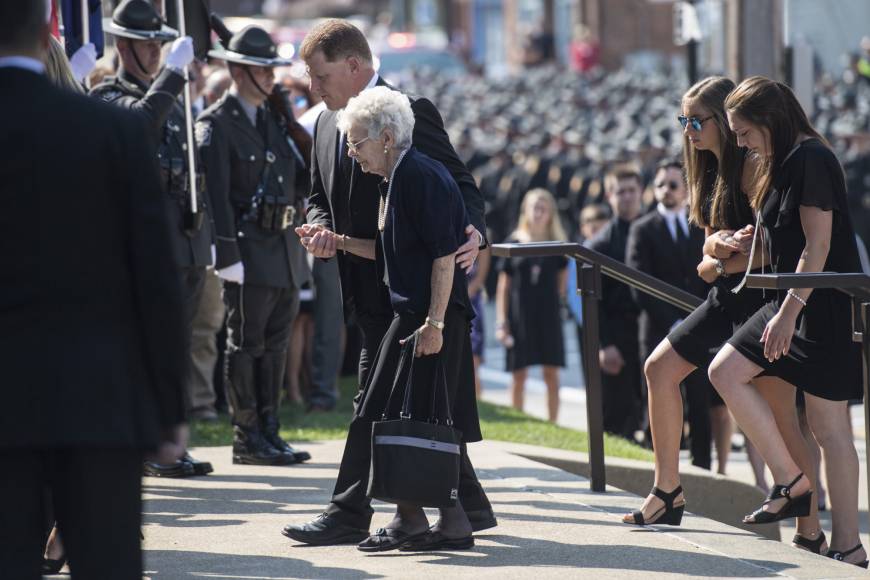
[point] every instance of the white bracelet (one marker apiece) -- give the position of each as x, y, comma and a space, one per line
794, 295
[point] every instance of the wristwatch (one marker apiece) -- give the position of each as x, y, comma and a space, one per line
720, 268
435, 323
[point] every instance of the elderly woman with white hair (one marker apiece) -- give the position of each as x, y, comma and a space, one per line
421, 223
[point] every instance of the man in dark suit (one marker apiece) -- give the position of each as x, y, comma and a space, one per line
663, 244
619, 357
93, 354
344, 200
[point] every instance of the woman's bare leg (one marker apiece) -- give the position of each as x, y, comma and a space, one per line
518, 388
723, 427
664, 370
551, 379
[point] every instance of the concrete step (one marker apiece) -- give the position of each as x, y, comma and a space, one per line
227, 525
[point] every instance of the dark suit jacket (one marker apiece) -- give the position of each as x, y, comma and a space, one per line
352, 208
618, 311
651, 249
92, 351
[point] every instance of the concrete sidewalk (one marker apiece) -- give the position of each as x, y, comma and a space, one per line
227, 525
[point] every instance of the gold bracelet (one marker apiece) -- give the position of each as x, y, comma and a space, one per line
435, 323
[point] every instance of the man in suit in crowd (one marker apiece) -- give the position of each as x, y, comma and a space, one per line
255, 174
344, 200
619, 357
140, 34
663, 244
93, 354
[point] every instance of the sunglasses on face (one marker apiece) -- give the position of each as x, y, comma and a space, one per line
694, 121
668, 184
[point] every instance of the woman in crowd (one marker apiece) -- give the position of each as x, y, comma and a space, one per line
802, 336
718, 174
420, 221
528, 297
476, 293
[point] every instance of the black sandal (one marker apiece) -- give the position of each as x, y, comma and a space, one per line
841, 556
385, 539
669, 514
814, 546
798, 507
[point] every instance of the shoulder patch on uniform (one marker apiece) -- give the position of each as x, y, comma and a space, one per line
110, 95
203, 133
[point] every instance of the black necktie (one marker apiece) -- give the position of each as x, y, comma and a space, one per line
681, 234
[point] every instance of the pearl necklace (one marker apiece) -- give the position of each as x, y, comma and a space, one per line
385, 202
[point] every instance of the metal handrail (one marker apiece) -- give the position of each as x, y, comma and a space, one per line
609, 267
591, 265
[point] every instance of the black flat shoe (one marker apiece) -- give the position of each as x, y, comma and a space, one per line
50, 566
669, 514
841, 556
481, 520
386, 539
798, 507
175, 469
325, 530
814, 546
433, 540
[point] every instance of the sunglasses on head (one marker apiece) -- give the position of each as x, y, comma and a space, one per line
694, 121
670, 184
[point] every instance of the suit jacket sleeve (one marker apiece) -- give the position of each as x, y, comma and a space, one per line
158, 102
601, 243
431, 138
157, 286
319, 211
214, 152
639, 255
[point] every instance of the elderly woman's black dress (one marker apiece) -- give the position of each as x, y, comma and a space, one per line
822, 360
425, 220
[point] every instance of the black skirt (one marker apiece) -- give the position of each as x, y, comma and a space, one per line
458, 364
700, 336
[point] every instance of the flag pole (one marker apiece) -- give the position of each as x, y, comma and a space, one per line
188, 122
86, 22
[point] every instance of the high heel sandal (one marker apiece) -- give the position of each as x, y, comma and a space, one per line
670, 514
841, 556
814, 546
797, 507
50, 566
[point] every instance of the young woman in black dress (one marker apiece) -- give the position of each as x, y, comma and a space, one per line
530, 289
802, 336
718, 174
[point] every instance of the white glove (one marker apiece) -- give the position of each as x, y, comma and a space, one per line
234, 273
213, 257
83, 61
180, 53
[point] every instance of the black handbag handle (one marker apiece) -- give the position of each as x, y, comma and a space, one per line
409, 348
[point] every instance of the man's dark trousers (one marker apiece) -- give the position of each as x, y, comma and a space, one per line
350, 504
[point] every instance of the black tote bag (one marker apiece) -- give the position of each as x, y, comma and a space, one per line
413, 460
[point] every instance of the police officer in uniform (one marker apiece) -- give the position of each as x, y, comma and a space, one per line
142, 86
255, 176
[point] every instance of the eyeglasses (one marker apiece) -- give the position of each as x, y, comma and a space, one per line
695, 121
354, 147
669, 184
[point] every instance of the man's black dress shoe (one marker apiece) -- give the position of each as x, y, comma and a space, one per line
325, 530
481, 520
174, 469
199, 467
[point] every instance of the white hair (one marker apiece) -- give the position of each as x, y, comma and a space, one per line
377, 109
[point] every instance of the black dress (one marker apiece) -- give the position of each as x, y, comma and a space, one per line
699, 337
534, 312
823, 360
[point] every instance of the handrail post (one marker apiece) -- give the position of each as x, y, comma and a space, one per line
589, 287
865, 355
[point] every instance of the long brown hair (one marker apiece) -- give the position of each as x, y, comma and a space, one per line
712, 182
770, 105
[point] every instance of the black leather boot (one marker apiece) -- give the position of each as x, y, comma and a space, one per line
249, 446
271, 378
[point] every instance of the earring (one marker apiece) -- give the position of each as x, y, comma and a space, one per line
386, 150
